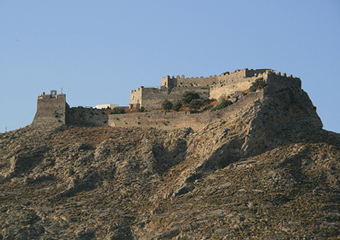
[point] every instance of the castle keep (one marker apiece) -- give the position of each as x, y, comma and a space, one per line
52, 109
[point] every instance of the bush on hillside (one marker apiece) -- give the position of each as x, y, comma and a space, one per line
224, 103
141, 109
166, 104
177, 106
195, 104
258, 84
187, 97
118, 110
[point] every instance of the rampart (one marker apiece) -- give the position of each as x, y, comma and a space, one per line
177, 120
212, 87
51, 109
240, 80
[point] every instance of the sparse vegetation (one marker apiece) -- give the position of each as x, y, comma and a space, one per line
118, 110
187, 97
195, 104
224, 103
166, 105
141, 109
177, 106
258, 84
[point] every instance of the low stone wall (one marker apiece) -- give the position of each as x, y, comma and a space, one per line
176, 120
160, 120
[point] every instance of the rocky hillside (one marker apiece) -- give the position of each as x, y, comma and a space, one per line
265, 170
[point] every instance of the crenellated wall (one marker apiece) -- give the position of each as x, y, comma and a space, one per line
238, 81
136, 97
212, 87
51, 109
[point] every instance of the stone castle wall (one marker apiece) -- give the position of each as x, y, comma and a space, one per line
276, 82
51, 109
152, 98
212, 87
238, 81
177, 120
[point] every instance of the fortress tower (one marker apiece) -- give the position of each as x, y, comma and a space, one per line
51, 109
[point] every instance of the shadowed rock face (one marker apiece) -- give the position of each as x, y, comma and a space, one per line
262, 168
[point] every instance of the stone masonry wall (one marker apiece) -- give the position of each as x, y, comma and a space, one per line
212, 87
176, 120
136, 97
231, 83
51, 109
152, 98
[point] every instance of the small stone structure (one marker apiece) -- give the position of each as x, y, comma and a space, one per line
106, 106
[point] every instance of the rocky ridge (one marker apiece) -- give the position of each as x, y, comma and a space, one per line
262, 169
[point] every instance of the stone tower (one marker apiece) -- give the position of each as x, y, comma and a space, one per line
51, 109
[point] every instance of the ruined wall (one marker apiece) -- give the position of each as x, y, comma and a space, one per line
51, 109
255, 72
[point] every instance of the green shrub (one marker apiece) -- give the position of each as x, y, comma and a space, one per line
258, 84
141, 109
195, 104
166, 104
187, 97
118, 110
223, 104
177, 106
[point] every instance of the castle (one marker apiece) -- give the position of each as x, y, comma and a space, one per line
212, 87
52, 109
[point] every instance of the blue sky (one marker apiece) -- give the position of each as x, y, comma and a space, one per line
98, 51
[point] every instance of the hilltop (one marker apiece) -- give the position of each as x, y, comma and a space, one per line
261, 168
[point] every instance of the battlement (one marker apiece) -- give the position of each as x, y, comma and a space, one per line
212, 87
51, 109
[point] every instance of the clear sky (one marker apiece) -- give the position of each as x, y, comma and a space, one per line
98, 51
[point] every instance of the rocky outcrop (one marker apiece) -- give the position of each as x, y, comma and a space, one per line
261, 168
